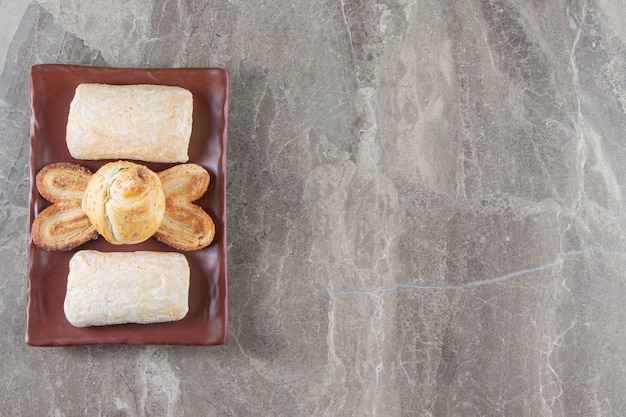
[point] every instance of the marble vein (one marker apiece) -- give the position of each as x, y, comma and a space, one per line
472, 284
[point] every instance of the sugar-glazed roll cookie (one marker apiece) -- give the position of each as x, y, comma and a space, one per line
141, 122
126, 287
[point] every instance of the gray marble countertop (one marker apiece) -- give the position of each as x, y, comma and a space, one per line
425, 208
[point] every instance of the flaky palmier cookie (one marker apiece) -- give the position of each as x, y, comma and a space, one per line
186, 226
63, 225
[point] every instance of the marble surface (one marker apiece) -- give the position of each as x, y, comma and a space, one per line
426, 208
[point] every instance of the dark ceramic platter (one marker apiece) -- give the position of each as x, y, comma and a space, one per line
52, 89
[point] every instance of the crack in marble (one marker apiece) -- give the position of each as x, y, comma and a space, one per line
580, 121
345, 20
485, 39
550, 401
335, 366
473, 284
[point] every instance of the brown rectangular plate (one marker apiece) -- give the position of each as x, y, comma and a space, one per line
52, 90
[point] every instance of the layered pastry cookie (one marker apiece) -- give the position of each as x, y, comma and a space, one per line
63, 225
186, 226
140, 122
105, 288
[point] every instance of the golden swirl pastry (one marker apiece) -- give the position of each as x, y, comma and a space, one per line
63, 225
125, 202
186, 226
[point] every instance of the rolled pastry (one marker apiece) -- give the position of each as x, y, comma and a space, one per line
126, 287
125, 202
142, 122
